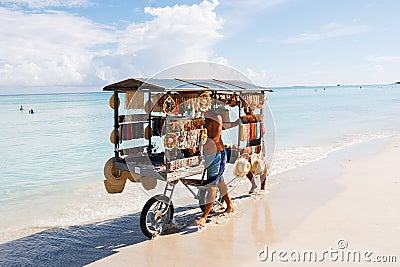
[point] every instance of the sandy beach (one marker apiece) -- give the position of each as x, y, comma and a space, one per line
348, 201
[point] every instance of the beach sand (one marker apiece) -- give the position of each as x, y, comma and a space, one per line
351, 197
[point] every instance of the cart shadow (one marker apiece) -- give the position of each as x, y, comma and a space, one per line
84, 244
73, 246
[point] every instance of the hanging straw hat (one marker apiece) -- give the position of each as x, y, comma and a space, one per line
113, 188
148, 182
111, 102
242, 166
133, 177
257, 164
112, 136
148, 132
113, 175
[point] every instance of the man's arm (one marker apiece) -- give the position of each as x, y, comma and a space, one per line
228, 125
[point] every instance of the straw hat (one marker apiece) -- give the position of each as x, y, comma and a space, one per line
111, 102
148, 182
113, 175
148, 133
258, 164
113, 188
112, 136
133, 177
242, 166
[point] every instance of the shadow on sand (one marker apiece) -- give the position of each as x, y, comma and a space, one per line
84, 244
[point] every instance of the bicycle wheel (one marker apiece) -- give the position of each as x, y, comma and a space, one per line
157, 212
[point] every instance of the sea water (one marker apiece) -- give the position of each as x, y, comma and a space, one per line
51, 167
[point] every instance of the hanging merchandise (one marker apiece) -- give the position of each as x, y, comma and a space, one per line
204, 136
157, 125
170, 140
243, 132
169, 105
204, 101
262, 129
112, 136
158, 101
134, 100
132, 131
147, 133
111, 102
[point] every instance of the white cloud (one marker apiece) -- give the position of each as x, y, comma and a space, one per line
331, 30
176, 34
47, 48
221, 60
258, 77
46, 3
57, 48
384, 59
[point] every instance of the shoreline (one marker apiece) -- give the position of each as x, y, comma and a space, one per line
275, 219
295, 215
286, 160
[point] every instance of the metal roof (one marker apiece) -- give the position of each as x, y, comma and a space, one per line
176, 84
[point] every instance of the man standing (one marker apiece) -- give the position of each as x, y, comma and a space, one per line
215, 157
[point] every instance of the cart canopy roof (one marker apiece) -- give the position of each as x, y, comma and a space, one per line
176, 85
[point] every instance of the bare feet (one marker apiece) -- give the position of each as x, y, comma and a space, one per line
253, 187
201, 222
229, 210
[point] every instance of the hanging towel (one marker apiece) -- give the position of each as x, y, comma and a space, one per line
133, 131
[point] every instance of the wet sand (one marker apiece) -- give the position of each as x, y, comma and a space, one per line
353, 196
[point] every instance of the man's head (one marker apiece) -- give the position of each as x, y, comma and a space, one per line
213, 123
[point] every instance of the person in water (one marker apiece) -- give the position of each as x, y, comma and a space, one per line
215, 158
21, 108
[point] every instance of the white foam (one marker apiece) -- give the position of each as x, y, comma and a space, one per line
91, 203
287, 159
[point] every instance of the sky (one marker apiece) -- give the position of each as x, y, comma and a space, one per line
83, 45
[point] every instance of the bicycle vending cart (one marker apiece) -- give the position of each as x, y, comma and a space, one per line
159, 139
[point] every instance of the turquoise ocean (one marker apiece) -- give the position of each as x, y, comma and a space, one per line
51, 167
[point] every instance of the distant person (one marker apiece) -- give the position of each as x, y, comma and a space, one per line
31, 111
21, 108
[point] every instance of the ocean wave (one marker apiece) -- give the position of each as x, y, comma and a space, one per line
291, 158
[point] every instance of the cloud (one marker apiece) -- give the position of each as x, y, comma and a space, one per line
50, 48
175, 35
46, 3
331, 30
258, 77
384, 59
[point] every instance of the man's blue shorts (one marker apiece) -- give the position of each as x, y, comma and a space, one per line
215, 165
